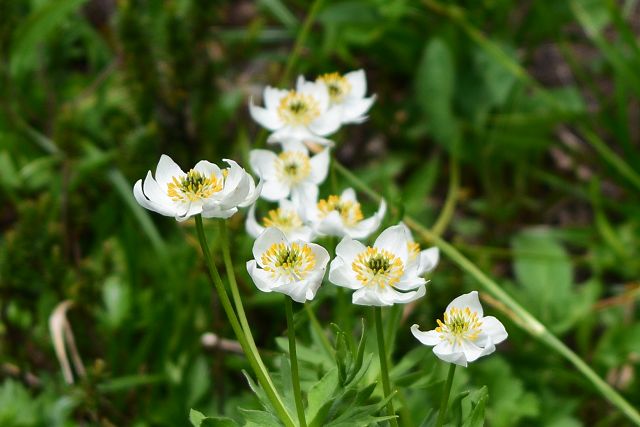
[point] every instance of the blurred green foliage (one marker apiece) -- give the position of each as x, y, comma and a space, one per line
536, 101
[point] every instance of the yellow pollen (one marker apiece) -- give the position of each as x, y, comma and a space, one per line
349, 210
292, 263
285, 220
193, 186
337, 86
377, 267
298, 108
293, 166
414, 250
459, 324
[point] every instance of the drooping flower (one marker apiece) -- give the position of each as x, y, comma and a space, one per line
297, 115
291, 173
422, 260
294, 268
286, 218
378, 273
464, 335
205, 189
348, 93
342, 216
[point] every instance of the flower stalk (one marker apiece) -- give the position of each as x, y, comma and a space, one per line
445, 395
384, 369
293, 356
250, 352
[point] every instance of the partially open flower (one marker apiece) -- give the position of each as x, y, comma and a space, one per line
205, 189
291, 173
347, 92
294, 268
377, 273
286, 218
464, 335
297, 115
342, 216
422, 260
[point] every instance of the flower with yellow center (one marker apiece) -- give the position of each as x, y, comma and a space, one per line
294, 268
205, 189
287, 218
377, 273
463, 335
348, 94
341, 215
292, 173
303, 114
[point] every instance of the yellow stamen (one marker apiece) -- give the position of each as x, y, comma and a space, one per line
298, 108
414, 250
337, 86
293, 166
285, 220
292, 263
459, 324
377, 267
193, 186
349, 210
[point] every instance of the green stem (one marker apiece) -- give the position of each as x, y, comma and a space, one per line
445, 395
384, 370
251, 353
300, 41
449, 208
293, 356
509, 306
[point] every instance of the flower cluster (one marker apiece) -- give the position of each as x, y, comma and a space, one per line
390, 271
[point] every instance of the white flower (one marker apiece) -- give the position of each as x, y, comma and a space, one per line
293, 268
291, 173
422, 260
286, 218
298, 115
347, 92
465, 335
205, 189
378, 274
342, 216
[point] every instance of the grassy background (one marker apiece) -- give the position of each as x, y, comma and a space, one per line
534, 103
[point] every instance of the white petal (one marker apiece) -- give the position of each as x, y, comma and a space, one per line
275, 190
253, 194
348, 249
317, 90
448, 353
409, 281
467, 300
332, 225
272, 96
494, 329
472, 352
149, 204
304, 193
166, 170
358, 82
319, 166
428, 260
341, 274
269, 237
260, 277
253, 228
218, 212
368, 296
266, 118
427, 338
327, 123
354, 111
394, 240
208, 169
263, 163
391, 296
349, 194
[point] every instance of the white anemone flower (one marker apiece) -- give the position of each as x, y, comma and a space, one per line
205, 189
291, 173
348, 93
378, 273
464, 335
286, 218
294, 268
422, 260
304, 114
342, 216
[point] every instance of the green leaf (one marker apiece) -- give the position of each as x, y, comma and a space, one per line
319, 394
198, 419
476, 417
259, 418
